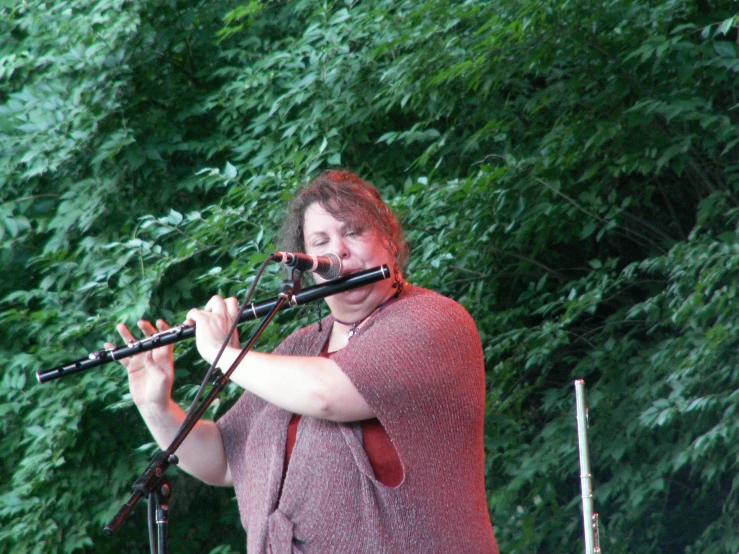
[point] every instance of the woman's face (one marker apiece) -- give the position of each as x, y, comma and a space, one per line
358, 249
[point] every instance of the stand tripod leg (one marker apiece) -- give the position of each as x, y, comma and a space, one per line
159, 517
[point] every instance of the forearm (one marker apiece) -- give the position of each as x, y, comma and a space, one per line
306, 385
201, 454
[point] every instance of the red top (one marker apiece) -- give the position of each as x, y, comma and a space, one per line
377, 444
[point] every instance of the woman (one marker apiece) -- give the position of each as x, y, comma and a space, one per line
360, 433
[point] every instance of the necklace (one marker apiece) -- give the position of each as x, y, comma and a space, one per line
355, 324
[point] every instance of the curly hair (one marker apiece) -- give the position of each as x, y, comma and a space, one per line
348, 199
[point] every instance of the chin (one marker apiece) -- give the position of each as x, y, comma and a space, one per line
349, 299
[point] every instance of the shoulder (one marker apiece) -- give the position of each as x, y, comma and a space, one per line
423, 308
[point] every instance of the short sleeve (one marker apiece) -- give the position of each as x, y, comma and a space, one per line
420, 368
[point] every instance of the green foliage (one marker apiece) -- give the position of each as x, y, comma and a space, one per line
570, 175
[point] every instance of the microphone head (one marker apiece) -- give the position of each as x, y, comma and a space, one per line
334, 270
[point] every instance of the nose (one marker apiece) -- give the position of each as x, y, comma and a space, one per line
341, 249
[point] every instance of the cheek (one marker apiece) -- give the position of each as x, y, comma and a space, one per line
384, 251
370, 251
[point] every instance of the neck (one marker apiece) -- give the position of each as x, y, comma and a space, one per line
348, 314
353, 319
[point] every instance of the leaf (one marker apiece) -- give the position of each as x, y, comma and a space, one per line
727, 25
230, 171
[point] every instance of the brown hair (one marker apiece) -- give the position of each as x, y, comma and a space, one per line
347, 198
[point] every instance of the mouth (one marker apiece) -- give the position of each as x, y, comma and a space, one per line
349, 271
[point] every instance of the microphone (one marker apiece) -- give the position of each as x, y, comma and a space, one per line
328, 266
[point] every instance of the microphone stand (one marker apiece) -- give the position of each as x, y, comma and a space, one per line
153, 483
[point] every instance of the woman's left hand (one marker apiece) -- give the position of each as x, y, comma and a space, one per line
212, 324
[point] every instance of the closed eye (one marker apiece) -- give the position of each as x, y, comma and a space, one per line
357, 232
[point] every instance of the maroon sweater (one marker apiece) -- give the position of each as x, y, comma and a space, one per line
418, 364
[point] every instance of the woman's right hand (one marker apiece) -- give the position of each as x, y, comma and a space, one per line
150, 374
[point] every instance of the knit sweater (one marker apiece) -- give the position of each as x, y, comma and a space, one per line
418, 364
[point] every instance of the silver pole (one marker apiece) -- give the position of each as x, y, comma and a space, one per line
590, 519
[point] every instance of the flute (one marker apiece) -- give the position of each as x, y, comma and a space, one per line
253, 311
590, 519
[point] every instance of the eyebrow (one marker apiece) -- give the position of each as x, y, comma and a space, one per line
343, 226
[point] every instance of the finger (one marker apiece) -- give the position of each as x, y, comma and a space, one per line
162, 354
146, 327
193, 316
232, 307
162, 325
110, 346
124, 332
216, 305
126, 336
